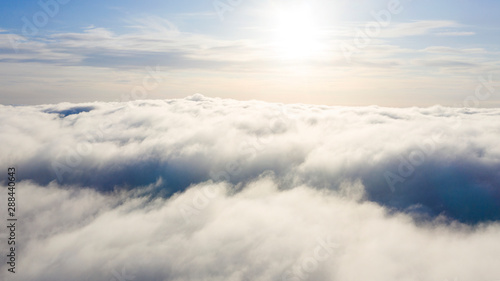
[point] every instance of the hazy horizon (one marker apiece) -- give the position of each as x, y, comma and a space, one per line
396, 53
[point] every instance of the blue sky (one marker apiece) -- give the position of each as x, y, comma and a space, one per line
425, 53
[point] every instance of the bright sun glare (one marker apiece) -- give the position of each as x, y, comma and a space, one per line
296, 33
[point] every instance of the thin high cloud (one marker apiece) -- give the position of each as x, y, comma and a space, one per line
96, 57
457, 33
147, 40
158, 40
417, 28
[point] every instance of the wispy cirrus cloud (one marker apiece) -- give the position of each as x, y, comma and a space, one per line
239, 63
158, 40
416, 28
456, 33
450, 50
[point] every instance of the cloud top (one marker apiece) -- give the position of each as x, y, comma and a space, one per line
430, 161
212, 189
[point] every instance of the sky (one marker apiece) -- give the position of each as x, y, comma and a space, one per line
247, 140
355, 53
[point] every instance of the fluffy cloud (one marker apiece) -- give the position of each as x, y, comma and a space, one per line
212, 189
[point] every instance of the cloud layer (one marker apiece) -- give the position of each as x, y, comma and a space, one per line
366, 62
211, 189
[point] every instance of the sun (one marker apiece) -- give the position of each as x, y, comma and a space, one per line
296, 32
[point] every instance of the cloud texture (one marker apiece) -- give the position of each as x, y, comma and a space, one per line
211, 189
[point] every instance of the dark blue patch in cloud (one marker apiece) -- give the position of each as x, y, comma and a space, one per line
71, 111
239, 141
465, 189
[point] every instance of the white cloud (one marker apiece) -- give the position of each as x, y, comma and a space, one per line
416, 28
146, 40
260, 233
96, 63
211, 189
449, 50
456, 33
